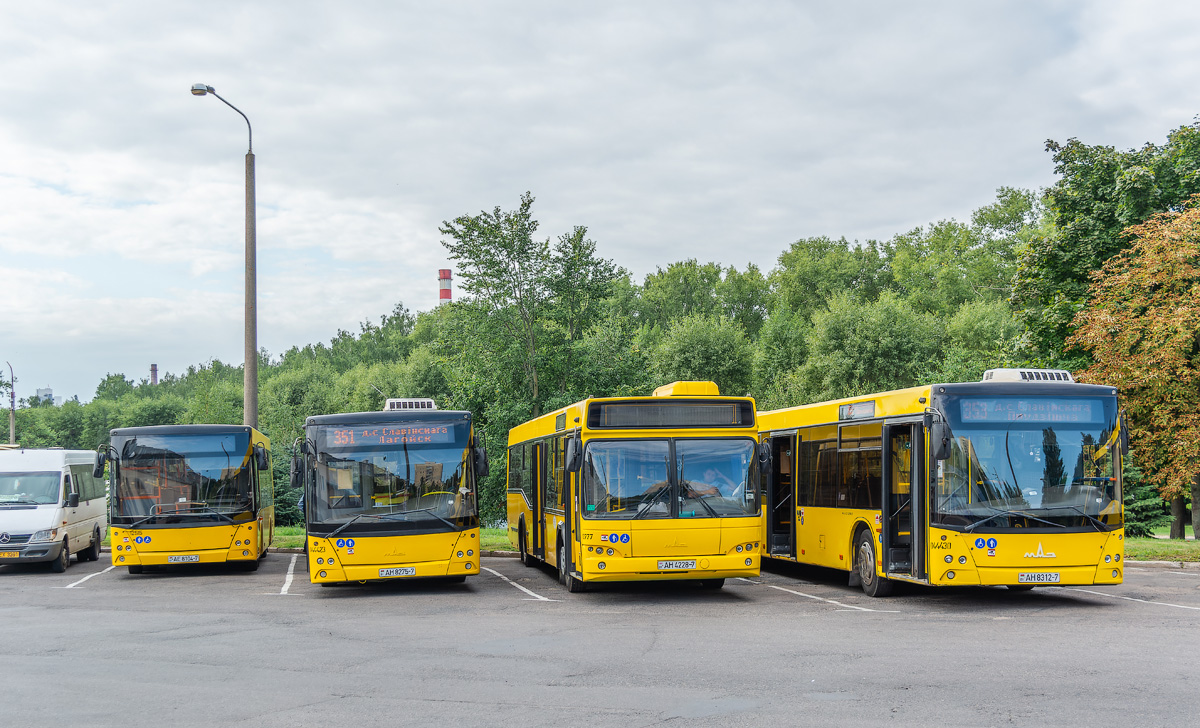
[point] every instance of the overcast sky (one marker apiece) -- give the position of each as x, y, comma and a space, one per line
719, 131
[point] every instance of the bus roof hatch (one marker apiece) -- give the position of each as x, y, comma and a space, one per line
688, 389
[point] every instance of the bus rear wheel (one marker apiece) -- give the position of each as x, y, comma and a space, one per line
873, 585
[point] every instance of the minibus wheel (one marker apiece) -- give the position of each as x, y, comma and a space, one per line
60, 564
92, 553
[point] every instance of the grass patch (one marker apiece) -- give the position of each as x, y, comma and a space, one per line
495, 539
1162, 549
288, 537
1166, 530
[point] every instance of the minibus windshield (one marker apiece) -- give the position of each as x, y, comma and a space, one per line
38, 488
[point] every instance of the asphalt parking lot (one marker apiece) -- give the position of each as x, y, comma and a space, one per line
212, 646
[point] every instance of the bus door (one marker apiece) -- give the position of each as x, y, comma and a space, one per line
903, 535
781, 497
537, 529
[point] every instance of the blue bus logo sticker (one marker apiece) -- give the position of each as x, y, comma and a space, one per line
349, 543
341, 542
980, 543
624, 538
991, 543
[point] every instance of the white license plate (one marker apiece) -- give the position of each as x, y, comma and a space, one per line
182, 558
676, 565
1037, 577
401, 571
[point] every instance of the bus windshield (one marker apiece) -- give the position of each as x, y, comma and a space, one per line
183, 479
1029, 462
398, 477
29, 488
706, 478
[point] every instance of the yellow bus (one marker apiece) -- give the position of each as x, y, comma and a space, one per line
188, 494
391, 494
639, 488
1014, 480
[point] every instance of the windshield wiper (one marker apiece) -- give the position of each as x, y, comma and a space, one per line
343, 527
646, 507
1019, 514
1095, 522
21, 503
194, 511
700, 499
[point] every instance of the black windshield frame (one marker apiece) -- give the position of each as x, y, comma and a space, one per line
1053, 470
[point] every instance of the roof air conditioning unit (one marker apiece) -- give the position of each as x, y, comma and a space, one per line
409, 403
1027, 375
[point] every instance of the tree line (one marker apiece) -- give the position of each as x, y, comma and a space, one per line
1043, 279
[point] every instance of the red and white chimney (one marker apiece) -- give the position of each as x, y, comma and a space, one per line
444, 284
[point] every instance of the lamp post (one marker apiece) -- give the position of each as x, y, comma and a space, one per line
250, 383
12, 407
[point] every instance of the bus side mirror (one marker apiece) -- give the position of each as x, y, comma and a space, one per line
939, 441
260, 457
574, 456
98, 469
73, 500
1124, 434
296, 474
481, 463
764, 453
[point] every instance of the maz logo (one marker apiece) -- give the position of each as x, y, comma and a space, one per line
1040, 554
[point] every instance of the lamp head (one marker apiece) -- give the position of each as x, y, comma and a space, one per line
199, 89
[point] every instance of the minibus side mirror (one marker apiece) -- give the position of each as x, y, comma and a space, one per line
939, 441
98, 469
481, 463
73, 500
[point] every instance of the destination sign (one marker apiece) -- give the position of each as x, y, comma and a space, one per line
389, 435
1017, 409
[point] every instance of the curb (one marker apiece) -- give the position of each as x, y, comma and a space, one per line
1166, 564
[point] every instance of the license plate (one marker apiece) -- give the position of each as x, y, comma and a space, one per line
676, 565
1037, 577
182, 558
401, 571
9, 554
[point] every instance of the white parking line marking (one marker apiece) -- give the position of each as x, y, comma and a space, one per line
287, 583
89, 576
1179, 572
537, 597
823, 599
1132, 599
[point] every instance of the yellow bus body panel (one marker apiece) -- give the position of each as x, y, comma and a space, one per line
1077, 558
641, 544
360, 558
212, 544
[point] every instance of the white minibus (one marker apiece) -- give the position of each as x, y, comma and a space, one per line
50, 507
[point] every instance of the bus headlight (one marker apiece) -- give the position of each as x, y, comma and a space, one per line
49, 534
1108, 558
460, 554
320, 560
1115, 573
949, 574
470, 552
749, 562
468, 564
949, 559
600, 566
322, 574
962, 559
1117, 557
610, 552
120, 558
245, 553
739, 548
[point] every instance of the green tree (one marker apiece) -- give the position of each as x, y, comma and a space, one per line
813, 270
686, 288
744, 297
1100, 193
702, 348
1142, 328
114, 386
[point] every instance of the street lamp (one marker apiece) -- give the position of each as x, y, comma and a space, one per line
250, 383
12, 407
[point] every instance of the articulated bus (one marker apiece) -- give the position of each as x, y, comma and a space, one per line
639, 488
1014, 480
186, 494
391, 494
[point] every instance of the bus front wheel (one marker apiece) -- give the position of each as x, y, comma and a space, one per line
135, 568
525, 558
873, 584
60, 564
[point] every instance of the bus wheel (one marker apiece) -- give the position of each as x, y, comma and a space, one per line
251, 565
135, 568
873, 584
525, 559
92, 553
712, 583
562, 561
456, 579
1020, 587
60, 564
